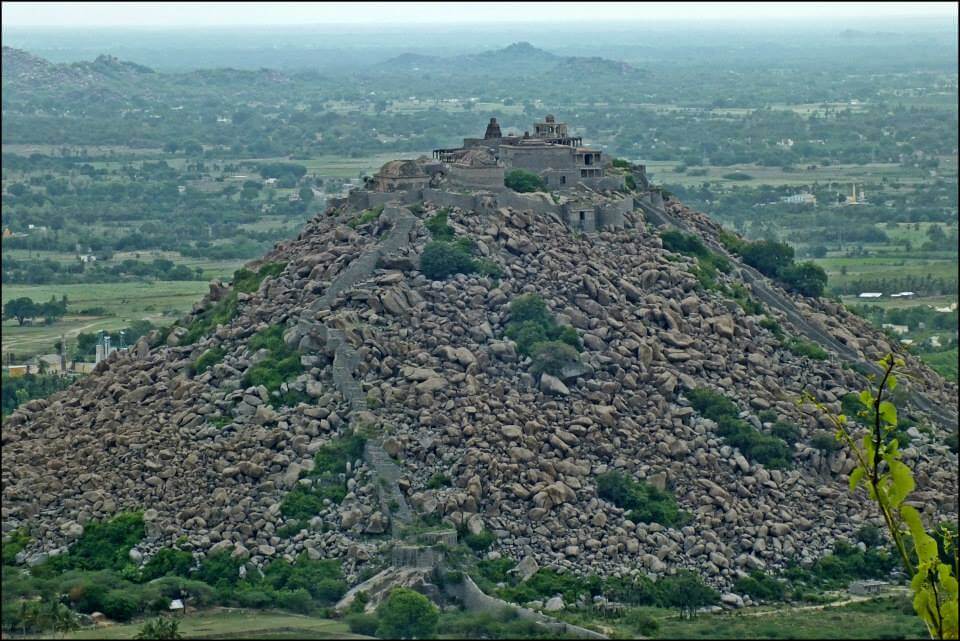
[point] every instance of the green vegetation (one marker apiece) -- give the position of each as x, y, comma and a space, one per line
327, 482
13, 544
505, 624
233, 624
524, 181
20, 389
933, 579
24, 309
365, 217
686, 592
775, 260
160, 628
225, 310
406, 614
760, 587
531, 324
708, 262
447, 255
208, 359
805, 348
282, 364
763, 448
646, 503
438, 227
102, 546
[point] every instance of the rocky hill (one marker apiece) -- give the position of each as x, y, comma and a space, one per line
457, 424
517, 59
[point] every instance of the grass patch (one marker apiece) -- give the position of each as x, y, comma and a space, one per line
801, 347
367, 216
208, 359
282, 364
226, 309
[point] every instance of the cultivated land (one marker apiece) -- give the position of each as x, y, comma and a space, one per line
236, 624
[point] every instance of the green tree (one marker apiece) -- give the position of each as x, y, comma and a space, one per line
21, 309
524, 181
406, 615
686, 592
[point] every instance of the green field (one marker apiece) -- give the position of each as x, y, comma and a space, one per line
664, 172
125, 301
236, 624
888, 617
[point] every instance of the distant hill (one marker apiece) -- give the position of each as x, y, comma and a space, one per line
517, 59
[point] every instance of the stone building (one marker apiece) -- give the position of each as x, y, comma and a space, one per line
551, 152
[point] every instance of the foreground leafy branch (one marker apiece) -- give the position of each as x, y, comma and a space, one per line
889, 481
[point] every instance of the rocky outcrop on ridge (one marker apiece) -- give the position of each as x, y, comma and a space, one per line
447, 393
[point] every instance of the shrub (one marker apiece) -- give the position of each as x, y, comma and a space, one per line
524, 181
552, 357
647, 504
167, 561
438, 227
761, 587
220, 569
87, 591
160, 628
322, 578
686, 592
365, 217
282, 364
807, 278
641, 623
438, 480
330, 462
810, 350
120, 605
638, 590
406, 615
768, 257
532, 323
769, 450
630, 182
479, 542
208, 359
825, 442
869, 535
105, 545
359, 623
786, 431
441, 259
12, 546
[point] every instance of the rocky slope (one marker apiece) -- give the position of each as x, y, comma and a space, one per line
446, 393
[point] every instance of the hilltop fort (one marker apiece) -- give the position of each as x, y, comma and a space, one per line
590, 194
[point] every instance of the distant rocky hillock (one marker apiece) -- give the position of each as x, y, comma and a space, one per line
517, 59
211, 426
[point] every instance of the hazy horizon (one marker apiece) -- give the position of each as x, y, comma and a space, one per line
175, 15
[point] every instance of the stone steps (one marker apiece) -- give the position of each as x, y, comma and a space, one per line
346, 359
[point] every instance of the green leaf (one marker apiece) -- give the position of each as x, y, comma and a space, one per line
902, 481
866, 398
888, 412
923, 543
855, 476
891, 382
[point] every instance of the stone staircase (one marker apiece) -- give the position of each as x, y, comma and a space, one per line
346, 359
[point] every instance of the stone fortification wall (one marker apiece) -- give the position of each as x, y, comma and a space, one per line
604, 183
476, 177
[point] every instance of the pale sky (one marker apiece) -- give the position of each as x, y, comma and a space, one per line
214, 14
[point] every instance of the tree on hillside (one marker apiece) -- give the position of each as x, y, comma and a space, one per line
770, 258
687, 592
406, 615
21, 309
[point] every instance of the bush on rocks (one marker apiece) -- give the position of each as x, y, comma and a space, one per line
646, 503
406, 614
767, 449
